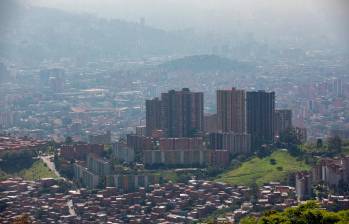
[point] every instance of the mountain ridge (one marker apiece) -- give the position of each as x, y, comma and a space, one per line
45, 33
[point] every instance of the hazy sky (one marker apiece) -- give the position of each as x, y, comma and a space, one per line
175, 14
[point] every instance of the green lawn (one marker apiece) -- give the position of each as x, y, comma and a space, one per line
37, 171
262, 171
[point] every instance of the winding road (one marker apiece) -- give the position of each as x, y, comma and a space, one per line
51, 166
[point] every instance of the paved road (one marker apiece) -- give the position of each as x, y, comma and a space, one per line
71, 208
51, 165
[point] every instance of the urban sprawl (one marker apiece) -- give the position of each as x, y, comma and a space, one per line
103, 180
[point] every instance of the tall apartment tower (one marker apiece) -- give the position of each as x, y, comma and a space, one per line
153, 115
178, 113
337, 87
231, 110
283, 121
182, 113
260, 117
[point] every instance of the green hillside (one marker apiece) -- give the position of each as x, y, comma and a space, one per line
311, 212
36, 171
275, 167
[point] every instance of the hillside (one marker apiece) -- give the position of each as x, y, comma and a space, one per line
42, 33
204, 63
310, 212
263, 170
36, 171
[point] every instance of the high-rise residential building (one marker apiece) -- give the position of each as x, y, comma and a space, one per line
85, 176
101, 138
181, 113
122, 152
181, 143
98, 165
283, 121
53, 79
260, 117
80, 151
141, 130
301, 134
303, 185
210, 123
153, 115
6, 119
187, 158
215, 140
130, 182
235, 143
139, 143
231, 110
337, 87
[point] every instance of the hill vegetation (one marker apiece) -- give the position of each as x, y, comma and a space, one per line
309, 213
275, 167
23, 164
37, 171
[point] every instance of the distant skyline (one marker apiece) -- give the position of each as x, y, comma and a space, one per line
183, 14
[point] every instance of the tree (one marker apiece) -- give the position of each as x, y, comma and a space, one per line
294, 150
272, 161
15, 161
289, 137
213, 171
248, 220
184, 177
264, 151
321, 191
319, 143
290, 140
335, 144
309, 213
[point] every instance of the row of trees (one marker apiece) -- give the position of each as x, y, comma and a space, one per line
289, 139
309, 213
12, 162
